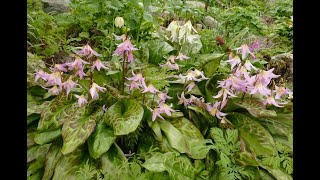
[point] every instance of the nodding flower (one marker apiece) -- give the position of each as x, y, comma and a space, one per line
271, 100
98, 64
171, 66
125, 48
245, 50
41, 74
81, 100
95, 88
214, 111
69, 84
55, 90
233, 61
280, 91
87, 51
182, 57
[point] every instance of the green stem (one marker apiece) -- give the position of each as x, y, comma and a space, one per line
123, 72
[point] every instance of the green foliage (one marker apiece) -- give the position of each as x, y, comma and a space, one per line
256, 108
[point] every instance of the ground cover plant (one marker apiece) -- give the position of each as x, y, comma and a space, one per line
150, 89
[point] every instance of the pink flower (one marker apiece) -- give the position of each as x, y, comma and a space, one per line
41, 74
248, 65
59, 67
280, 91
213, 110
81, 100
163, 96
69, 84
260, 88
130, 56
54, 90
172, 59
134, 85
244, 51
76, 64
254, 45
80, 73
224, 92
150, 88
98, 64
234, 61
156, 113
87, 51
136, 77
170, 65
123, 37
183, 100
190, 86
271, 100
266, 76
54, 78
125, 48
95, 88
164, 108
182, 57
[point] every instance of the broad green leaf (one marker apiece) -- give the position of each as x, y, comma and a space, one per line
53, 156
246, 158
156, 129
207, 116
256, 108
35, 166
195, 141
101, 140
37, 151
34, 108
275, 127
147, 17
254, 134
47, 136
277, 173
176, 139
209, 63
58, 111
124, 116
211, 87
173, 115
178, 167
30, 138
36, 176
264, 175
32, 118
157, 49
112, 159
67, 166
99, 77
77, 130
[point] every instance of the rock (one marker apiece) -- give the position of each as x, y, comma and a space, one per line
196, 4
198, 27
55, 5
210, 22
283, 65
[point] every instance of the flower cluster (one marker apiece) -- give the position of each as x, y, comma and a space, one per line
56, 79
125, 48
171, 64
191, 78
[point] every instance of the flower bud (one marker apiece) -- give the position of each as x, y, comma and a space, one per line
119, 22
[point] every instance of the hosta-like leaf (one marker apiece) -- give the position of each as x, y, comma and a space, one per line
176, 139
209, 63
58, 111
52, 158
67, 166
195, 141
37, 151
178, 167
124, 116
101, 140
256, 108
35, 166
112, 159
254, 134
48, 136
77, 130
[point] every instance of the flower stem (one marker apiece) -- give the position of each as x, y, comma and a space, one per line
123, 72
243, 96
91, 79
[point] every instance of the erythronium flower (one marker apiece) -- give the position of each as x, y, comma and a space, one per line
124, 48
280, 91
150, 88
59, 67
213, 110
163, 96
170, 65
136, 77
81, 100
54, 90
156, 113
192, 99
271, 100
54, 78
87, 51
248, 65
224, 92
266, 76
134, 85
69, 84
130, 56
123, 37
233, 61
76, 64
98, 64
244, 51
182, 57
200, 73
254, 45
172, 59
164, 108
190, 86
80, 73
183, 100
260, 88
41, 74
95, 88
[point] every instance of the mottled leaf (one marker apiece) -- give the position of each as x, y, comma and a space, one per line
256, 108
277, 173
254, 134
209, 63
124, 116
101, 140
35, 166
52, 158
77, 130
156, 129
276, 127
37, 151
112, 159
156, 162
30, 137
48, 136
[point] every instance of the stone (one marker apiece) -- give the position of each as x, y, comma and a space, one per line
55, 5
283, 65
210, 22
198, 27
196, 4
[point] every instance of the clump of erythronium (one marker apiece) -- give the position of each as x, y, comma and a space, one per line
73, 71
244, 79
